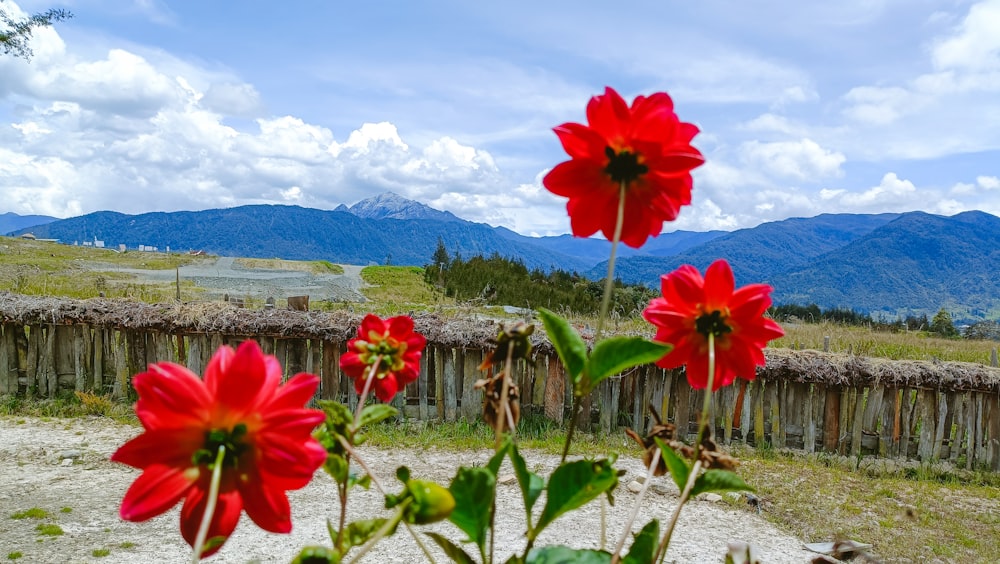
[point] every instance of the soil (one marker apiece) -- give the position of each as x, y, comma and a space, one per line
62, 467
225, 276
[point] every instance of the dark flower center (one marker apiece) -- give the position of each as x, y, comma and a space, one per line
624, 166
232, 440
712, 324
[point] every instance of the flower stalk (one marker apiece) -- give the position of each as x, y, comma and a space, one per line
212, 500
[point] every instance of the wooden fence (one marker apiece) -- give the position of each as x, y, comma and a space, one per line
868, 408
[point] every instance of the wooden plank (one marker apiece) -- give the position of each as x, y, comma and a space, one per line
682, 419
831, 419
993, 432
121, 387
846, 417
280, 352
760, 389
32, 385
98, 345
727, 400
858, 424
440, 356
6, 334
330, 376
780, 411
909, 414
640, 399
555, 390
774, 393
980, 427
970, 428
449, 381
939, 428
423, 377
194, 354
809, 422
928, 423
746, 409
608, 409
959, 419
886, 443
80, 361
472, 399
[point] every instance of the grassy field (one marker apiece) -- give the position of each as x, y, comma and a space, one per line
311, 266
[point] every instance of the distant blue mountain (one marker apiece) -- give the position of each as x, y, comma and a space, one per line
885, 263
10, 222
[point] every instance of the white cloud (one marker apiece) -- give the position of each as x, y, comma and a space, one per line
803, 159
975, 44
891, 189
988, 182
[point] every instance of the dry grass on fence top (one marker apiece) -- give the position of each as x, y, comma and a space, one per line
834, 369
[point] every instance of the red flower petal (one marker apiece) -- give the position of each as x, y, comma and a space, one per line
156, 490
170, 446
224, 518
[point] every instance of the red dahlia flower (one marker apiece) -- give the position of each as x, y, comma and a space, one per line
393, 345
240, 404
644, 147
693, 307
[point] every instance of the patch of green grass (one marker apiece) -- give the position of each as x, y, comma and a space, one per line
33, 513
66, 405
100, 552
49, 529
126, 545
14, 555
66, 510
399, 289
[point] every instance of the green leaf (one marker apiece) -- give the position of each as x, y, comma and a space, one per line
644, 545
567, 342
566, 555
455, 552
376, 412
316, 555
618, 354
572, 485
474, 490
677, 466
497, 459
360, 532
336, 466
531, 483
719, 481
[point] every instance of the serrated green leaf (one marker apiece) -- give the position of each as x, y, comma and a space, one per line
474, 490
644, 545
565, 555
618, 354
719, 481
572, 485
455, 552
567, 342
678, 467
531, 483
376, 412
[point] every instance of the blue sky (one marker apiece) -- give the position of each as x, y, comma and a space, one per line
857, 106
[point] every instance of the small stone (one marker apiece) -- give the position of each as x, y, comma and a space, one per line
506, 479
710, 497
67, 462
640, 479
635, 486
70, 454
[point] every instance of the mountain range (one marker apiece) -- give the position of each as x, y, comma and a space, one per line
883, 264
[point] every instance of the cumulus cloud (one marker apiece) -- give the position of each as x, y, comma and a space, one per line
803, 159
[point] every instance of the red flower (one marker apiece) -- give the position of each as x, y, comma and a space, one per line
240, 404
692, 307
645, 146
393, 344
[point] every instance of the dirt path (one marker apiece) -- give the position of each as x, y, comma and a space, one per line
224, 276
82, 497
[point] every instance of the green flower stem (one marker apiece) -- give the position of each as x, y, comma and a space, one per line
213, 498
661, 550
609, 288
342, 488
378, 486
616, 557
503, 414
381, 533
609, 281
